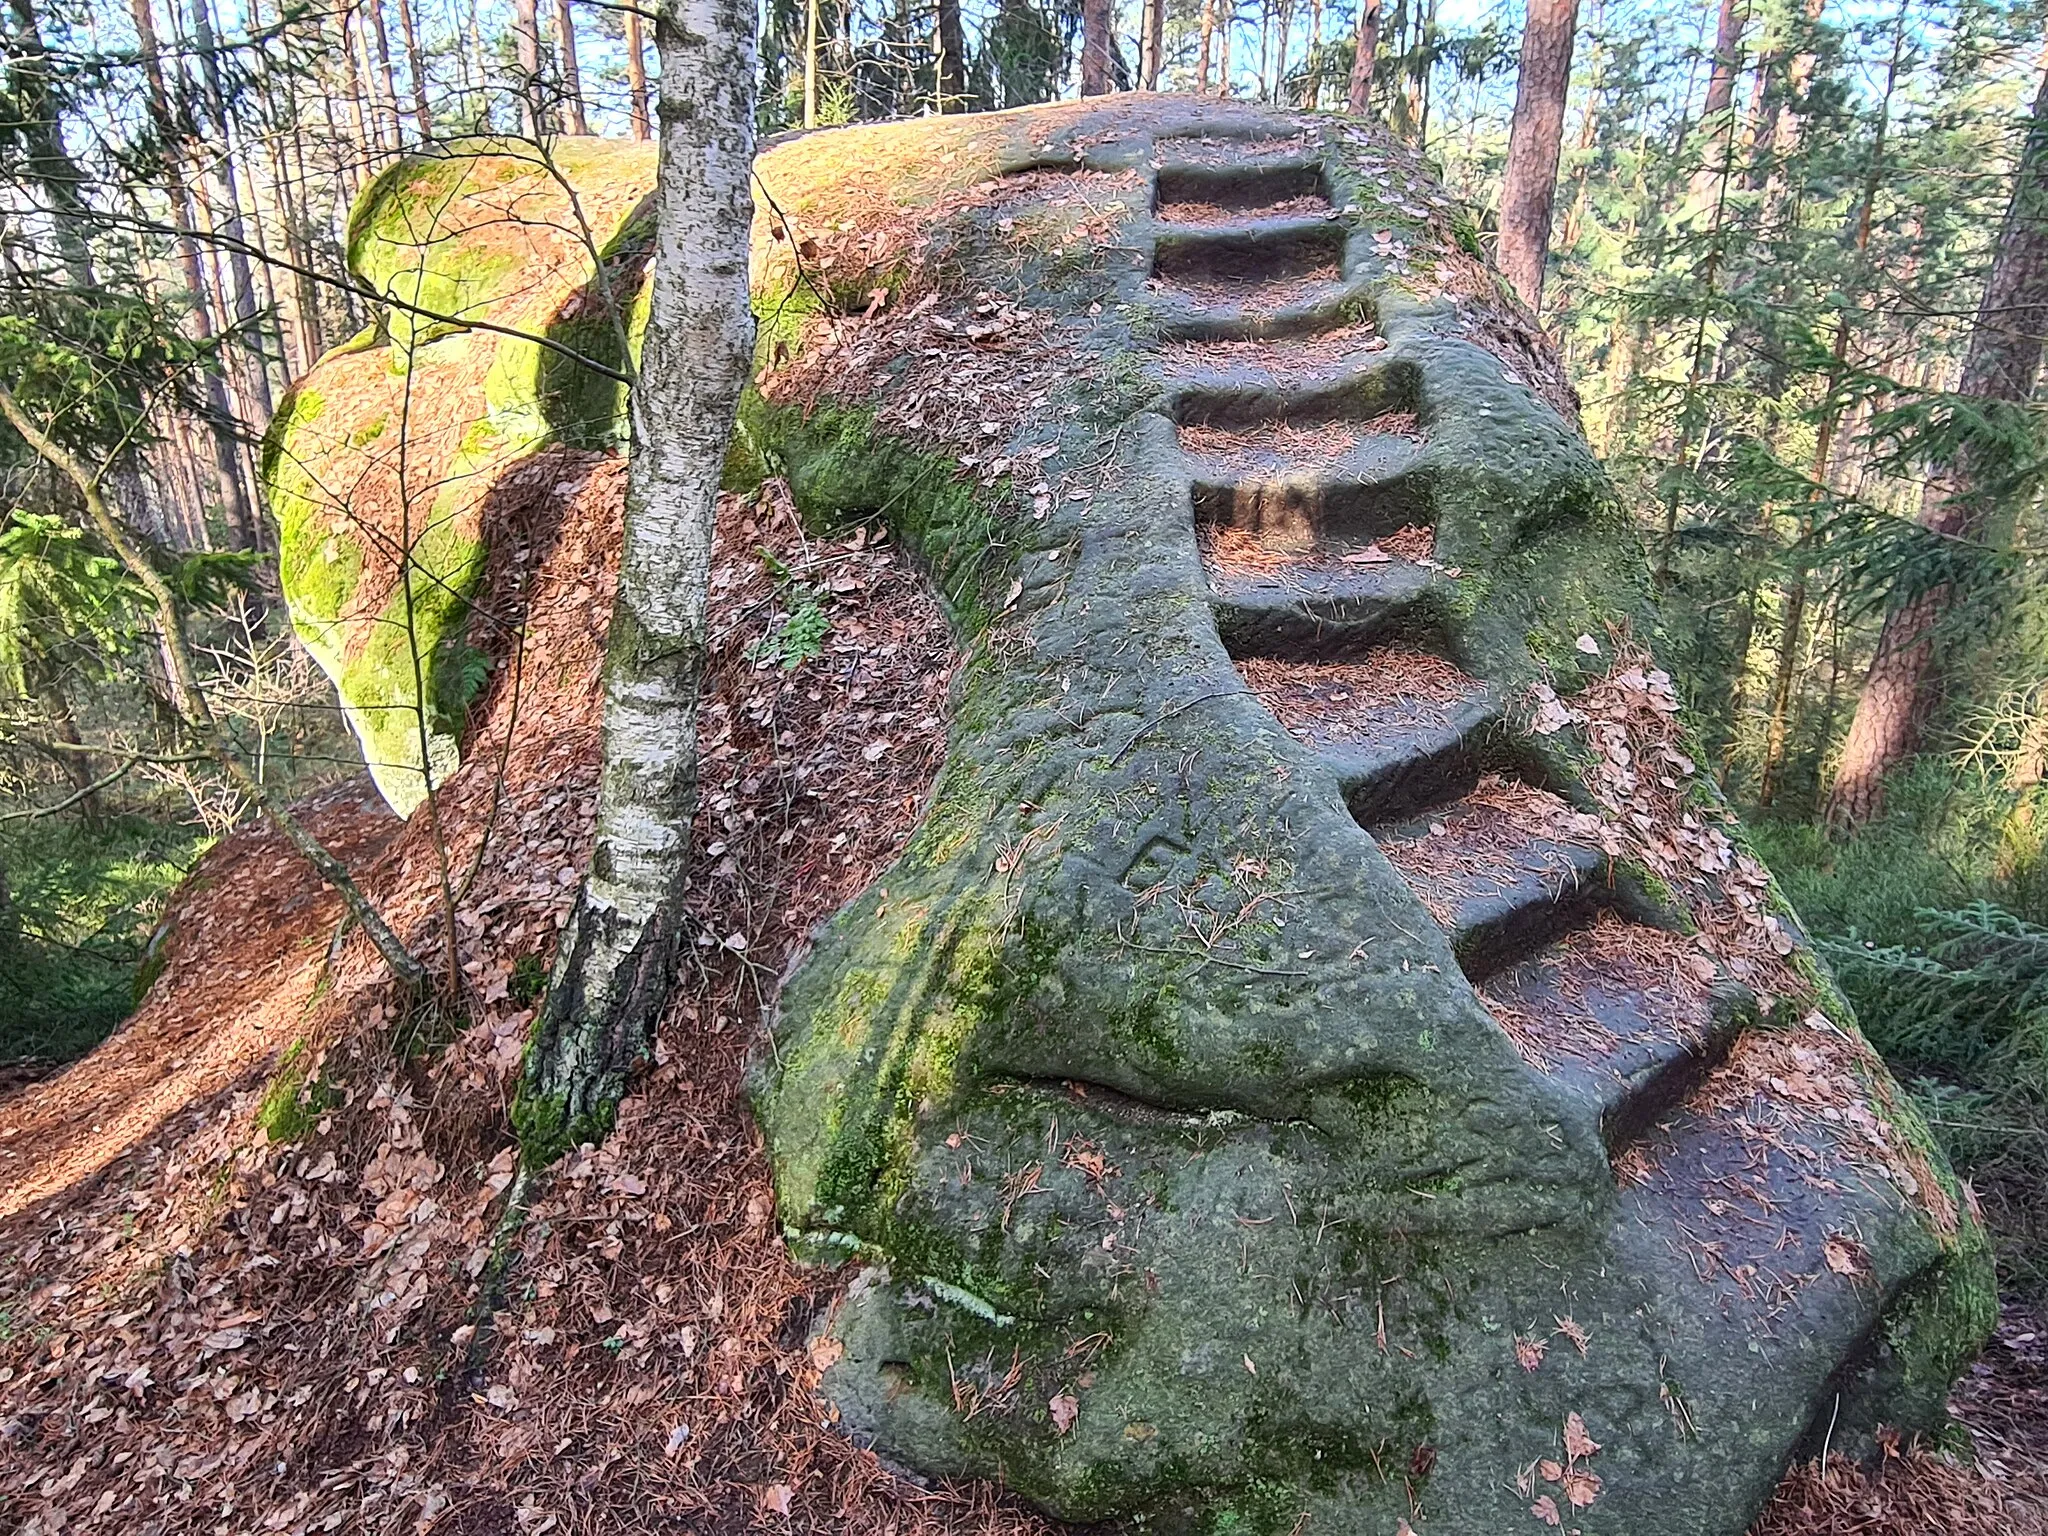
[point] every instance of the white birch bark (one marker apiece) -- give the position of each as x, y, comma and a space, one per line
618, 955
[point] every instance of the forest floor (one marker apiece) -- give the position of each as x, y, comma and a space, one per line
252, 1273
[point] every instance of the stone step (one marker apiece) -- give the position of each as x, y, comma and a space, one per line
1398, 725
1285, 307
1238, 257
1789, 1222
1295, 183
1408, 765
1223, 381
1331, 486
1499, 872
1625, 1012
1271, 605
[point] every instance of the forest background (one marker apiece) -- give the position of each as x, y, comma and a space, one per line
1773, 226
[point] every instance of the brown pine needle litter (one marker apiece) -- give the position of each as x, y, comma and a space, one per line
1307, 205
1297, 446
217, 1333
1381, 692
1618, 962
1287, 357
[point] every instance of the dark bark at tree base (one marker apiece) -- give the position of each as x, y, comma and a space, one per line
595, 1028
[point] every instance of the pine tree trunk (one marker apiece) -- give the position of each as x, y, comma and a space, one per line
362, 128
1151, 35
526, 42
1208, 40
952, 72
1534, 138
811, 63
386, 80
1359, 100
1315, 51
415, 65
618, 955
235, 504
1097, 16
34, 108
571, 68
1727, 39
255, 379
2004, 361
636, 77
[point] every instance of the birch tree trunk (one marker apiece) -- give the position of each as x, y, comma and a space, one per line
619, 951
2003, 363
1533, 142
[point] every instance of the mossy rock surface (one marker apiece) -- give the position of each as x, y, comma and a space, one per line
381, 466
1275, 1081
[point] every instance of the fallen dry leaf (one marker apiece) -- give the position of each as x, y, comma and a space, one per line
1064, 1411
1578, 1445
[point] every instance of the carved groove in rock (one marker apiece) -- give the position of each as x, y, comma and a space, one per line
1257, 1092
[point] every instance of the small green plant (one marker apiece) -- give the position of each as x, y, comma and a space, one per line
427, 1028
529, 979
291, 1105
796, 632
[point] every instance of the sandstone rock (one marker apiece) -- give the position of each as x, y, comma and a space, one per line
381, 466
1327, 1050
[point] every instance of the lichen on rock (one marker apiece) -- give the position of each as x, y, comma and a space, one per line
1235, 1107
506, 271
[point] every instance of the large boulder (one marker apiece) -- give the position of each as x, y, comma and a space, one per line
505, 272
1328, 1051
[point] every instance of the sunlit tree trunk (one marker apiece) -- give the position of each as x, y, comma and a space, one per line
1727, 42
1315, 49
1208, 40
2002, 365
1285, 41
1358, 101
526, 43
571, 69
1151, 38
236, 508
415, 65
811, 63
618, 954
362, 128
1097, 16
384, 77
636, 76
1533, 142
229, 223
